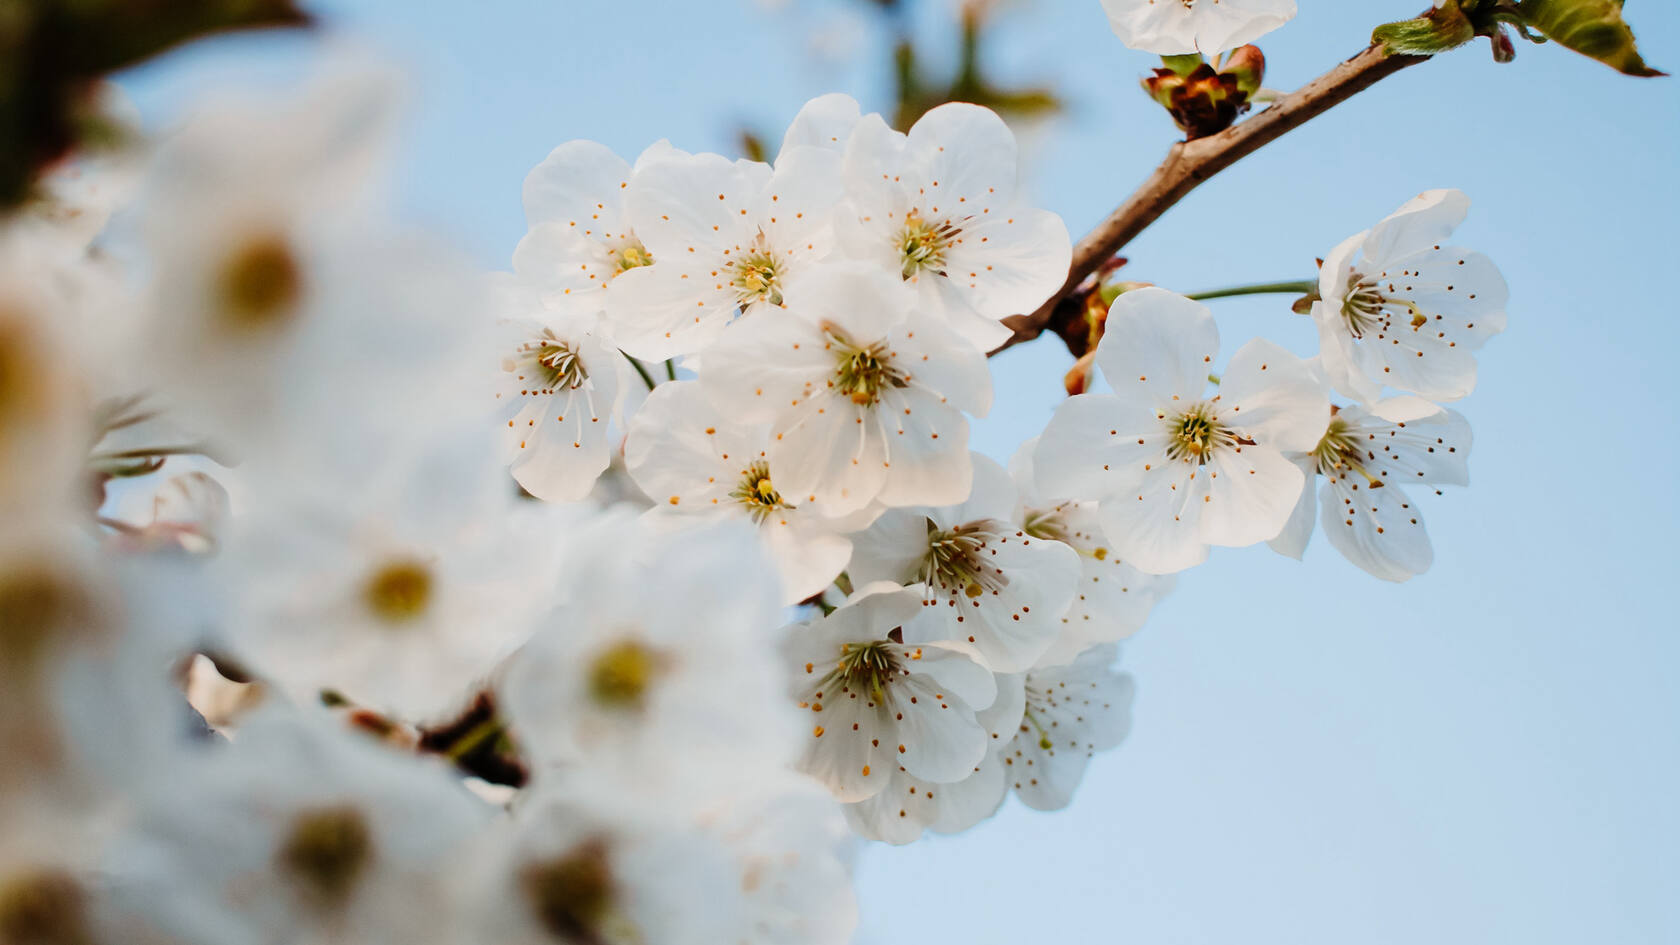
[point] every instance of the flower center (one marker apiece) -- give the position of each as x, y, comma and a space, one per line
922, 244
1365, 308
1196, 434
399, 591
327, 851
956, 558
46, 907
572, 894
1338, 453
631, 255
867, 667
260, 282
862, 372
757, 493
621, 674
757, 276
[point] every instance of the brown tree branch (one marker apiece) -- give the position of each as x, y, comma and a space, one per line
1190, 163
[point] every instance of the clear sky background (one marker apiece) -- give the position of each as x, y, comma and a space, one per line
1489, 753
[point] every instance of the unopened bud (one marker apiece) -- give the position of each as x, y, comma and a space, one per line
1078, 378
1204, 98
1247, 64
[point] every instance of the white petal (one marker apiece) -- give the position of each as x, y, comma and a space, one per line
1297, 532
969, 156
925, 444
1076, 711
1250, 495
1091, 448
1159, 342
665, 311
824, 122
1380, 530
1010, 261
762, 364
579, 186
1157, 525
693, 205
1274, 397
1424, 221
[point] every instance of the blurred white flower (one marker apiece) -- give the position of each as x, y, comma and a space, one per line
595, 864
400, 586
1173, 469
1367, 456
1400, 309
1113, 599
991, 588
296, 832
661, 643
1179, 27
864, 397
878, 703
700, 466
938, 207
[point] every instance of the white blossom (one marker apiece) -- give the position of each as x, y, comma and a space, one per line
727, 237
1072, 712
1113, 599
939, 207
299, 833
1400, 308
1368, 456
909, 805
580, 239
990, 586
660, 642
865, 398
1173, 468
560, 388
700, 466
877, 704
399, 585
1179, 27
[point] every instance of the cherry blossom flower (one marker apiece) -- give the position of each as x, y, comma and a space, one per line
1368, 456
1172, 468
939, 207
991, 586
1113, 599
580, 239
659, 640
560, 387
909, 805
1178, 27
865, 400
700, 466
729, 236
877, 703
1399, 308
1072, 712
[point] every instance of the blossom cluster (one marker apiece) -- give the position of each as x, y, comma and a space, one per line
605, 599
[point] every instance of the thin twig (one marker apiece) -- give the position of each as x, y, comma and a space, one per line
1190, 163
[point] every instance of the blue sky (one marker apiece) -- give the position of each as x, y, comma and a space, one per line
1488, 753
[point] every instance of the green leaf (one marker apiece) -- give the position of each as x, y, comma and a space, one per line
1443, 28
1590, 27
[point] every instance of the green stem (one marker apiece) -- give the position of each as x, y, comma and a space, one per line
640, 369
478, 735
1263, 288
670, 369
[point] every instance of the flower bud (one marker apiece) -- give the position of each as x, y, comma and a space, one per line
1204, 98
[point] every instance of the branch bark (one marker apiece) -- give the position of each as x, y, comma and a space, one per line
1190, 163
